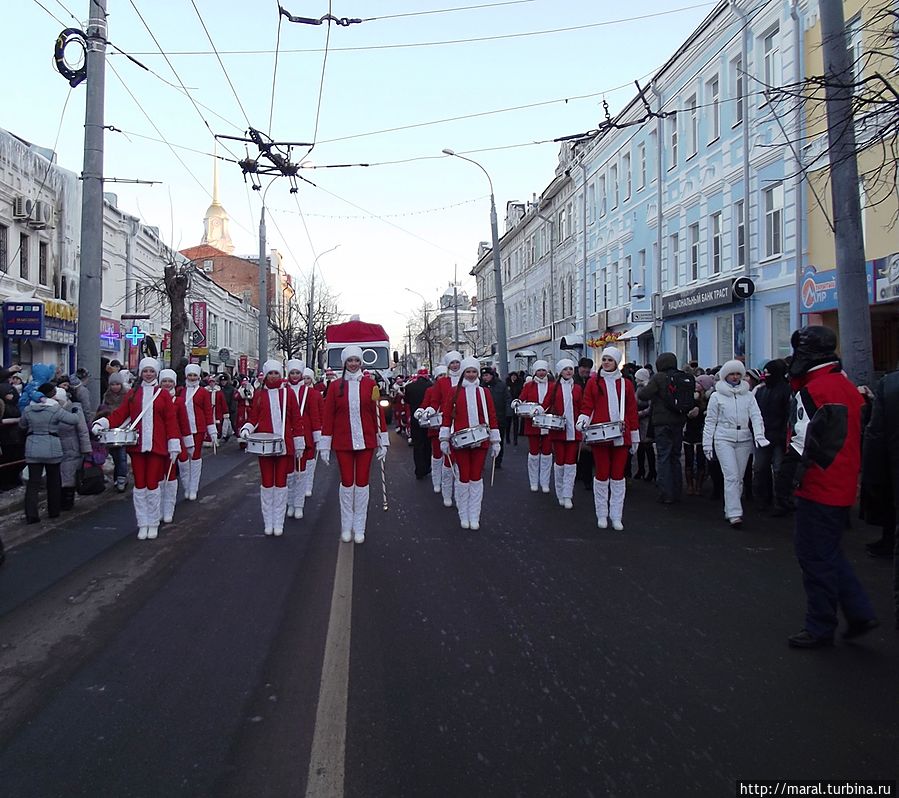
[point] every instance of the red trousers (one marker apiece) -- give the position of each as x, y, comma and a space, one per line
354, 466
565, 452
148, 469
610, 461
470, 463
274, 470
198, 447
539, 444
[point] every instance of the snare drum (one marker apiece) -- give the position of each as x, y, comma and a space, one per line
527, 409
265, 444
549, 421
431, 421
604, 432
119, 436
471, 437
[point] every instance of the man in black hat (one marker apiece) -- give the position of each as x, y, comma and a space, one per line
584, 471
502, 403
421, 447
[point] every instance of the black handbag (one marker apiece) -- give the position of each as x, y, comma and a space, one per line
89, 479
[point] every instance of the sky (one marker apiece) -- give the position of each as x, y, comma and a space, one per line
400, 226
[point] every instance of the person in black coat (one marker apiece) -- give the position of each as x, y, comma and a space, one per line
12, 441
421, 446
773, 398
584, 471
515, 383
502, 403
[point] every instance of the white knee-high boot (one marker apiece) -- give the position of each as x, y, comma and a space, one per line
546, 466
570, 472
265, 499
297, 499
534, 472
617, 488
310, 470
291, 492
559, 478
601, 502
184, 470
278, 509
360, 513
153, 503
346, 512
139, 497
475, 496
462, 503
446, 485
169, 494
195, 470
436, 473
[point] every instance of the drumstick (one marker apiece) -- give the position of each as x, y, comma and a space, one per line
492, 471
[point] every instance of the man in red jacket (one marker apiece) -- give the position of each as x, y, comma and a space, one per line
824, 445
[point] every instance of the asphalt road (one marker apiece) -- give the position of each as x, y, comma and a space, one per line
535, 657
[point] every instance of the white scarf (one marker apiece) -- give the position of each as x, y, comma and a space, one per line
567, 387
615, 402
472, 389
148, 394
454, 376
274, 406
542, 386
189, 394
353, 382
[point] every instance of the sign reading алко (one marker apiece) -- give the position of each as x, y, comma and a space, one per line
700, 298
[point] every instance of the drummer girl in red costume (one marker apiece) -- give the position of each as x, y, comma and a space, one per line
315, 398
355, 427
312, 428
564, 399
443, 389
609, 397
428, 409
158, 443
540, 456
169, 485
197, 405
271, 404
469, 406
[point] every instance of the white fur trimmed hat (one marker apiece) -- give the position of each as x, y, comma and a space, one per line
308, 373
471, 363
539, 364
295, 365
168, 374
565, 363
192, 368
731, 367
439, 371
273, 365
614, 353
350, 351
452, 355
148, 363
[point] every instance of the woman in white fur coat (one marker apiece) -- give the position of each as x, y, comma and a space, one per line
732, 422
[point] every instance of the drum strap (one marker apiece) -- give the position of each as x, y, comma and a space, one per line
482, 393
144, 410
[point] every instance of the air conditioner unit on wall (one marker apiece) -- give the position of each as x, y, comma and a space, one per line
22, 208
42, 215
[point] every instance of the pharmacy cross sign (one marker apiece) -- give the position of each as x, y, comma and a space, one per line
136, 335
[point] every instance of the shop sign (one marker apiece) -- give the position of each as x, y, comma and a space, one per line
642, 316
699, 298
23, 319
59, 331
55, 309
887, 272
110, 335
242, 364
818, 290
199, 352
198, 315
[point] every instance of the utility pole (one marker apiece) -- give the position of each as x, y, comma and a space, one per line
90, 286
263, 291
852, 286
309, 318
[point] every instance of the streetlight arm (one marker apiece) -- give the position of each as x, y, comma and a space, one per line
486, 173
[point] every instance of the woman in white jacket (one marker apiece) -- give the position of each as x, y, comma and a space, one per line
733, 421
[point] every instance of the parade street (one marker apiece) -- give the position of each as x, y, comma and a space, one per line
538, 656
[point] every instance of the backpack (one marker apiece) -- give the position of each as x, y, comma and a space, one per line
679, 394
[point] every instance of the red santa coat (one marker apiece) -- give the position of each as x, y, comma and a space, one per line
309, 402
261, 416
530, 393
219, 406
456, 417
554, 403
197, 409
436, 397
348, 429
159, 423
595, 404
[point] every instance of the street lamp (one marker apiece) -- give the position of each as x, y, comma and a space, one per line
427, 335
263, 283
312, 307
499, 306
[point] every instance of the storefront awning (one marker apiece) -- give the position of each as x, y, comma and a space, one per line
635, 331
573, 341
526, 353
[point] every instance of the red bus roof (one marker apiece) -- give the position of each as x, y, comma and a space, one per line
355, 332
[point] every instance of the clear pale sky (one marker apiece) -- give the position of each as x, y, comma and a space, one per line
443, 201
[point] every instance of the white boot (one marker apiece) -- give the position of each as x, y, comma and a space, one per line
310, 470
139, 497
534, 472
291, 492
617, 488
360, 513
559, 478
346, 512
601, 502
475, 496
436, 473
184, 475
297, 500
463, 491
153, 503
446, 485
278, 508
195, 470
569, 474
546, 466
265, 499
169, 495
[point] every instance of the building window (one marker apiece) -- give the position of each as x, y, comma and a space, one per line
543, 323
213, 331
725, 335
672, 141
774, 205
740, 233
42, 251
693, 127
694, 251
4, 248
681, 343
715, 230
781, 330
714, 102
736, 86
626, 166
771, 50
24, 265
641, 152
628, 276
570, 295
641, 267
591, 202
602, 195
854, 45
673, 259
614, 299
63, 287
613, 179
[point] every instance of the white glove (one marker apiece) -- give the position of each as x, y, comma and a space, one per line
299, 443
709, 454
495, 449
190, 452
430, 412
634, 447
245, 434
582, 423
538, 411
212, 432
762, 442
418, 414
381, 452
445, 447
96, 429
324, 455
515, 403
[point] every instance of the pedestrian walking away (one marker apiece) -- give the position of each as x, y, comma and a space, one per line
540, 458
564, 401
469, 409
354, 427
610, 401
773, 398
646, 453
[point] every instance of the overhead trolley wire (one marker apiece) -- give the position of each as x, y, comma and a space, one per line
447, 10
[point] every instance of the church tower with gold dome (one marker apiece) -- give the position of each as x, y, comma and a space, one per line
215, 223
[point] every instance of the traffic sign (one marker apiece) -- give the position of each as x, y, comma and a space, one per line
197, 338
743, 288
642, 316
